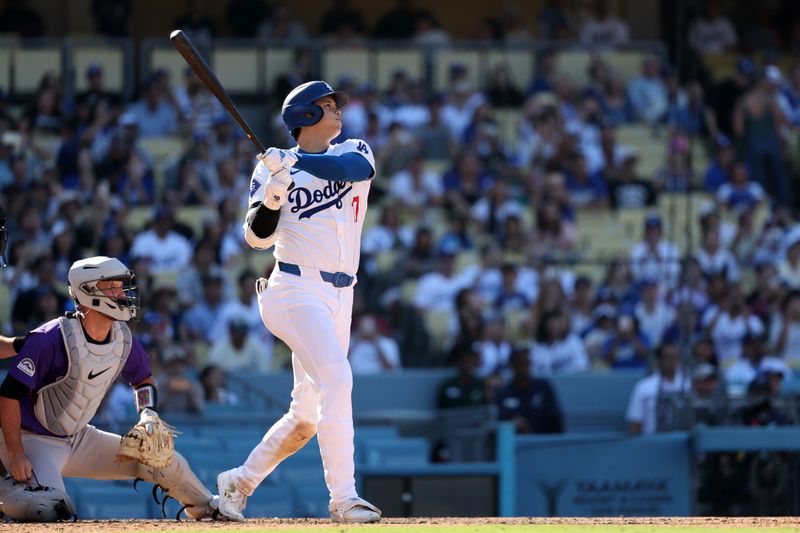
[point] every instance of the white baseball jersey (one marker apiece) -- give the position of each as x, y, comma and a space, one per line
320, 224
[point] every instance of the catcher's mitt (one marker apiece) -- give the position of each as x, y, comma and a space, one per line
151, 441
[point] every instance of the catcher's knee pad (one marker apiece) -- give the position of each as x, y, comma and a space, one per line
178, 481
22, 503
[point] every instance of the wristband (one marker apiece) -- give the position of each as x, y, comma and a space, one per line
146, 397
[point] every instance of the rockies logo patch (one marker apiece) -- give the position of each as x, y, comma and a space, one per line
27, 366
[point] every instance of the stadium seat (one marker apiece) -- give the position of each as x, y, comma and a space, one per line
277, 62
721, 66
237, 69
388, 61
311, 501
519, 62
392, 452
112, 502
31, 64
438, 325
301, 468
338, 64
508, 122
444, 58
5, 68
195, 217
271, 501
574, 65
626, 63
110, 58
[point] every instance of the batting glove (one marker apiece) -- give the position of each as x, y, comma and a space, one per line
275, 192
275, 159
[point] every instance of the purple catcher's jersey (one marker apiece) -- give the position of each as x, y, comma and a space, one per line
43, 360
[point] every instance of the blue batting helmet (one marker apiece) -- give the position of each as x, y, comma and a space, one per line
299, 109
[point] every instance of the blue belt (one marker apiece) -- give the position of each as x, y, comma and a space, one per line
337, 279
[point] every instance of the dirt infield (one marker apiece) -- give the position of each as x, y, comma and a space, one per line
276, 523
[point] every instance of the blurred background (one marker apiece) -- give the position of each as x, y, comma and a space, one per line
579, 284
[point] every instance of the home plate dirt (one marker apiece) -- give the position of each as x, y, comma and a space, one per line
279, 523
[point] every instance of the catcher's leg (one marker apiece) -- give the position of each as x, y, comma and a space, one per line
94, 456
47, 456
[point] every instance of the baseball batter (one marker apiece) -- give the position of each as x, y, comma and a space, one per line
315, 226
58, 379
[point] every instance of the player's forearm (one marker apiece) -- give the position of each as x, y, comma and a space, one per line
260, 225
11, 421
10, 346
346, 167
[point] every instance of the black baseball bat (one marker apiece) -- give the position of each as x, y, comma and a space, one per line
185, 47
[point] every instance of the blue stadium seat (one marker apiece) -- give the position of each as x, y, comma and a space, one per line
311, 501
301, 468
112, 502
396, 452
270, 501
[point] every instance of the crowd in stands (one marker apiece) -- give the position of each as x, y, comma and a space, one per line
471, 256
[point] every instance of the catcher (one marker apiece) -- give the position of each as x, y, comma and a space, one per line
62, 372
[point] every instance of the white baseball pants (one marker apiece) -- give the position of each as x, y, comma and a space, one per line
313, 318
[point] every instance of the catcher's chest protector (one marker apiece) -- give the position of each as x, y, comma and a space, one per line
67, 405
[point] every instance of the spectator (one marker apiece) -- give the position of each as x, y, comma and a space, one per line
789, 266
709, 399
421, 257
178, 392
761, 394
244, 305
434, 138
587, 191
342, 15
96, 92
644, 416
244, 16
196, 22
628, 347
283, 26
554, 235
757, 122
416, 188
557, 20
713, 33
201, 319
399, 22
27, 310
628, 190
19, 18
240, 348
648, 92
169, 252
510, 299
785, 330
676, 175
436, 291
655, 258
370, 351
215, 391
654, 315
581, 306
601, 28
501, 91
729, 322
428, 32
753, 363
496, 205
465, 389
740, 194
154, 116
721, 167
557, 350
529, 402
715, 260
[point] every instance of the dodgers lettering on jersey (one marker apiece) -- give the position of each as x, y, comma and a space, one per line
320, 224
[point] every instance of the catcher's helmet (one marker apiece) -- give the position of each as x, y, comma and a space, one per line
82, 280
299, 109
